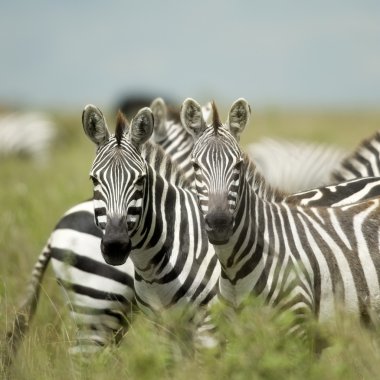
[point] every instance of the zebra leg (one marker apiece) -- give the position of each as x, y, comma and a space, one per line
26, 310
99, 327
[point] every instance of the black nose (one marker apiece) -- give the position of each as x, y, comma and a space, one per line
219, 225
116, 245
115, 250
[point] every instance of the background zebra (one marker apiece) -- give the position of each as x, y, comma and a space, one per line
293, 166
26, 134
304, 259
363, 162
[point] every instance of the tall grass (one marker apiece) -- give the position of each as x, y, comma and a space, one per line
32, 199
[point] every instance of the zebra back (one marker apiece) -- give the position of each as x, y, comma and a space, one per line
363, 162
293, 166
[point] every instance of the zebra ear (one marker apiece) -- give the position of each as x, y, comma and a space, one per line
159, 111
94, 124
141, 127
192, 118
238, 117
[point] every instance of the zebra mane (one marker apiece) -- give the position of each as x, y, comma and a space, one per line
216, 123
162, 163
121, 126
258, 183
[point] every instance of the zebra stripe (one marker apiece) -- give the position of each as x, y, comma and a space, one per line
363, 162
294, 165
301, 258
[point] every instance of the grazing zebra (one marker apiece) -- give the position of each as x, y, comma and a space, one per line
299, 258
28, 134
363, 162
149, 215
294, 165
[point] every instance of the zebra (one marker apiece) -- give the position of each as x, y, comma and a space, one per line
363, 162
27, 135
100, 298
74, 250
298, 258
173, 138
295, 165
151, 217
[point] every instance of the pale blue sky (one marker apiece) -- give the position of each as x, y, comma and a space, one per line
283, 53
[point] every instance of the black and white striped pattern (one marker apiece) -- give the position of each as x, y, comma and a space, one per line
148, 213
305, 259
173, 138
363, 162
295, 165
99, 296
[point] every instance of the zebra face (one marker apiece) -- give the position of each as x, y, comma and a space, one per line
217, 178
217, 161
119, 175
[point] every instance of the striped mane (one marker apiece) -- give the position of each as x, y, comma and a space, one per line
121, 126
216, 123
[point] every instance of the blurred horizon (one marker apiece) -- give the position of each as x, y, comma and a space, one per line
296, 55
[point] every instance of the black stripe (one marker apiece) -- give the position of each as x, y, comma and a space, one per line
81, 221
92, 266
93, 293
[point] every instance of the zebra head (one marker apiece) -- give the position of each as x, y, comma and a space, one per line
217, 161
118, 174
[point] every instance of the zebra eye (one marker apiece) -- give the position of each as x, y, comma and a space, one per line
195, 166
140, 180
238, 165
94, 180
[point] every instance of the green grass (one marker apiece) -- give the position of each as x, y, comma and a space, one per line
32, 199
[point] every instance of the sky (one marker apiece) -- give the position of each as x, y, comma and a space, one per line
317, 53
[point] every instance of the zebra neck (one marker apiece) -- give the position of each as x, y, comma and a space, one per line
164, 232
246, 259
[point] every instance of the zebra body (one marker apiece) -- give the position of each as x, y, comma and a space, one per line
295, 165
29, 134
100, 297
302, 258
149, 215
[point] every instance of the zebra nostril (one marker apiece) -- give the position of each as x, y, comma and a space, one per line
207, 223
218, 221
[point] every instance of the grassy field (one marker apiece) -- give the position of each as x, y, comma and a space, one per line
32, 199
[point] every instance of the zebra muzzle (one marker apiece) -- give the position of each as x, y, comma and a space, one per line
219, 226
116, 244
